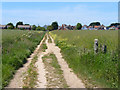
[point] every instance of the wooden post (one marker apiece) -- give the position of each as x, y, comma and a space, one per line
104, 48
96, 45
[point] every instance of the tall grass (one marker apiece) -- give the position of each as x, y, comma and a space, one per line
100, 69
0, 59
16, 48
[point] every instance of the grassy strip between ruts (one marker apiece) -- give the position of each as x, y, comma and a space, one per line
30, 80
44, 46
54, 75
16, 48
100, 69
49, 39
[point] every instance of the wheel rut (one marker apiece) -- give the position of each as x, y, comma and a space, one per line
70, 78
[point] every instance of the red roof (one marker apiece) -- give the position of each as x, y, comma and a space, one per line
96, 26
113, 26
85, 25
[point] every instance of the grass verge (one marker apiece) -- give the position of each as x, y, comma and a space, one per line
44, 46
30, 80
100, 69
16, 48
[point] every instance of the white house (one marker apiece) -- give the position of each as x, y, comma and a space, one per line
112, 28
85, 27
3, 27
90, 28
24, 27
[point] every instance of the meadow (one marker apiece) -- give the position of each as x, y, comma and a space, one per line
0, 59
17, 45
95, 70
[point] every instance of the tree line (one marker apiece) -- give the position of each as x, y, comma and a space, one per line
54, 26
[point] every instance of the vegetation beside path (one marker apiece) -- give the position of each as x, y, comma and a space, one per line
30, 80
17, 47
77, 48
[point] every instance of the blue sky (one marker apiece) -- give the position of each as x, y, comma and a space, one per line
41, 13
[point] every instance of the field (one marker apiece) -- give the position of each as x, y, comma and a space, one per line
17, 46
0, 59
96, 70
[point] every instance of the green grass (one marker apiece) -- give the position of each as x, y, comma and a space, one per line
55, 64
55, 73
49, 39
100, 69
17, 46
44, 46
0, 59
31, 79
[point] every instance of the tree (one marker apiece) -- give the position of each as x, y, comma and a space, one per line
38, 28
95, 24
27, 24
19, 23
34, 27
54, 25
79, 26
50, 28
10, 26
42, 29
115, 24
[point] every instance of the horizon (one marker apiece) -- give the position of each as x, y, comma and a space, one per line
58, 24
44, 13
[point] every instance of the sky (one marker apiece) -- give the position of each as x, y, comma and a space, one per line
44, 13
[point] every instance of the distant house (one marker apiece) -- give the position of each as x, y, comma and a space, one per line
90, 28
97, 27
8, 26
59, 28
3, 27
66, 27
102, 27
45, 26
63, 27
106, 28
28, 27
118, 27
85, 27
112, 28
69, 27
73, 27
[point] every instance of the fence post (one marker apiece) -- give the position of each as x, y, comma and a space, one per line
104, 48
96, 45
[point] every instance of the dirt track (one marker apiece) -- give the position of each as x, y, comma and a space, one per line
17, 81
72, 80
